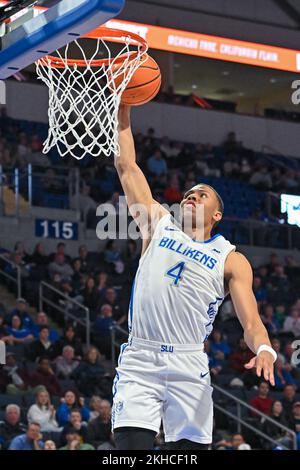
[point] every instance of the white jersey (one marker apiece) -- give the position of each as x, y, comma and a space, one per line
179, 286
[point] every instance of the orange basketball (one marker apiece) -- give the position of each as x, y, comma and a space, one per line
144, 84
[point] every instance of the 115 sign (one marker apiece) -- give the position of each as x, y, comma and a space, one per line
56, 229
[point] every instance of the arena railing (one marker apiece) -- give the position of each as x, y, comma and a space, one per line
242, 422
15, 279
29, 182
116, 343
68, 310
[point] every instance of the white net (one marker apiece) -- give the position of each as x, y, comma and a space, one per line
85, 94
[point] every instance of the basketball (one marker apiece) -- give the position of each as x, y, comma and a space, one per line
144, 84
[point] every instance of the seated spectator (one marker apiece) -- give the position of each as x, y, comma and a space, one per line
173, 194
43, 413
44, 375
42, 319
49, 445
87, 260
11, 426
69, 402
113, 257
280, 284
276, 345
295, 421
218, 344
282, 376
101, 284
119, 315
288, 399
90, 376
90, 295
99, 429
14, 380
66, 363
31, 440
60, 250
77, 282
269, 320
18, 261
74, 441
60, 266
280, 314
102, 330
292, 322
39, 256
21, 311
95, 405
241, 356
71, 339
42, 347
16, 334
238, 443
259, 291
156, 164
277, 414
75, 422
262, 402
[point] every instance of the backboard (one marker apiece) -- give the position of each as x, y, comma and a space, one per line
31, 29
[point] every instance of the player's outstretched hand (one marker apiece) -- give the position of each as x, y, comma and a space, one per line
264, 363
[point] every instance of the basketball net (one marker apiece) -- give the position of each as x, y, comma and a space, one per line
85, 93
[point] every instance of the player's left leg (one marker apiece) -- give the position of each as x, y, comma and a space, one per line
185, 444
188, 406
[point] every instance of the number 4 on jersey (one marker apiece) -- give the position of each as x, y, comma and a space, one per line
176, 272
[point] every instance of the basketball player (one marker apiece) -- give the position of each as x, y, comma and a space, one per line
181, 281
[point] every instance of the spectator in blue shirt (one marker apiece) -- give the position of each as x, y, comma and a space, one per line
43, 320
218, 344
32, 440
259, 291
282, 376
102, 330
157, 164
16, 334
69, 403
21, 311
269, 320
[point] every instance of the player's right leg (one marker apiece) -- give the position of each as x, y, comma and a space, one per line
138, 392
127, 438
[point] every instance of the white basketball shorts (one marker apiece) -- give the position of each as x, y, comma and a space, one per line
165, 382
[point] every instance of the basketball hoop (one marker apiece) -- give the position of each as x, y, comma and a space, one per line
84, 95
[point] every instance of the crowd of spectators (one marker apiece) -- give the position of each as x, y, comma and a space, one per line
171, 166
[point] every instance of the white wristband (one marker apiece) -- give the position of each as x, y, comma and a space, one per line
266, 347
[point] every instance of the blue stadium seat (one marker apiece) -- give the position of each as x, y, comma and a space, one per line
9, 400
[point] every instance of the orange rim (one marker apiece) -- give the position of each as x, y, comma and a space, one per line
99, 33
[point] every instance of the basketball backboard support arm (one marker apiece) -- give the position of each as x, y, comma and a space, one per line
51, 30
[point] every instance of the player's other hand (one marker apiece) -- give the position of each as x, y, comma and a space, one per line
264, 364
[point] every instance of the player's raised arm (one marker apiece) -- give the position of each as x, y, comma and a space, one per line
238, 274
133, 181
